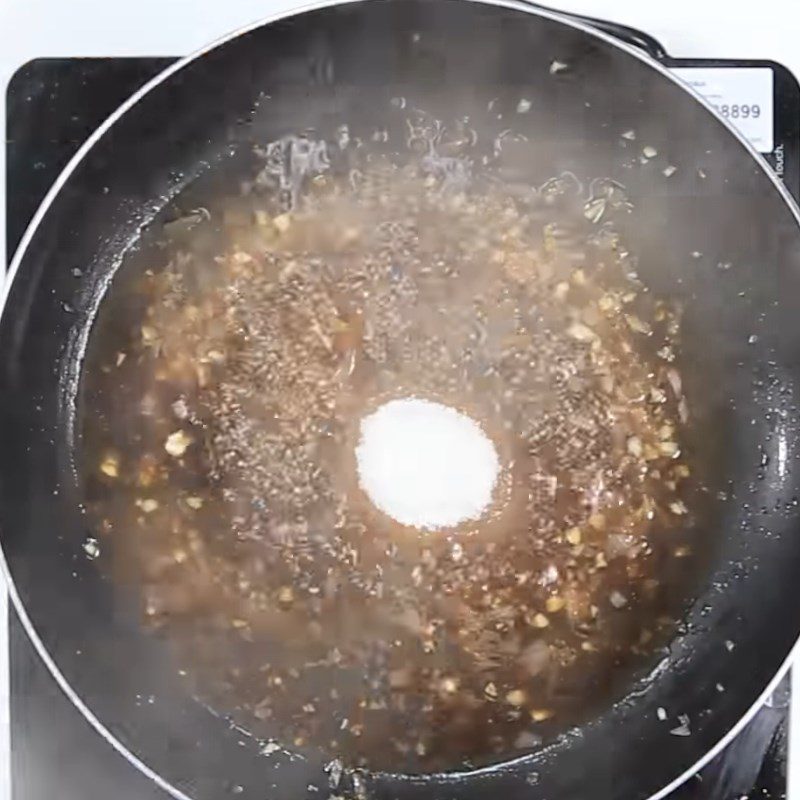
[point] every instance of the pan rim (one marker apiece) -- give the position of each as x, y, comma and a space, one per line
30, 231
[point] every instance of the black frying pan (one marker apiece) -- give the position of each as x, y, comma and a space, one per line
740, 355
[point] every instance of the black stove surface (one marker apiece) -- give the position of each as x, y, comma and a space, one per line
52, 107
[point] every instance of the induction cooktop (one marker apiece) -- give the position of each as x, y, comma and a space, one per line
52, 107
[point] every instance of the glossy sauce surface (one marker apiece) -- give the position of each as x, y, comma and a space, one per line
224, 391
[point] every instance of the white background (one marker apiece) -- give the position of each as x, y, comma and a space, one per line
33, 28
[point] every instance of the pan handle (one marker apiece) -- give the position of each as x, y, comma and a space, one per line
643, 41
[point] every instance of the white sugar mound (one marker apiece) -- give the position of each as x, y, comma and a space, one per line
425, 464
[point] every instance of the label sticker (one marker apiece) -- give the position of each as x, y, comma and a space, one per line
743, 95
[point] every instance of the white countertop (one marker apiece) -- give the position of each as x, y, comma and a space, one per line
35, 28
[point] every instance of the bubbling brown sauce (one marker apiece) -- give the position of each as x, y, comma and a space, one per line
224, 393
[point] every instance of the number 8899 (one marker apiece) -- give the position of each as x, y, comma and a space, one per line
740, 110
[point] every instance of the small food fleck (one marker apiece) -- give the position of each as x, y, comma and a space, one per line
684, 728
449, 685
335, 769
109, 466
554, 604
598, 521
91, 548
516, 697
285, 595
581, 332
573, 536
282, 222
638, 325
148, 505
562, 290
540, 621
149, 335
635, 446
180, 409
617, 599
523, 106
178, 443
669, 449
